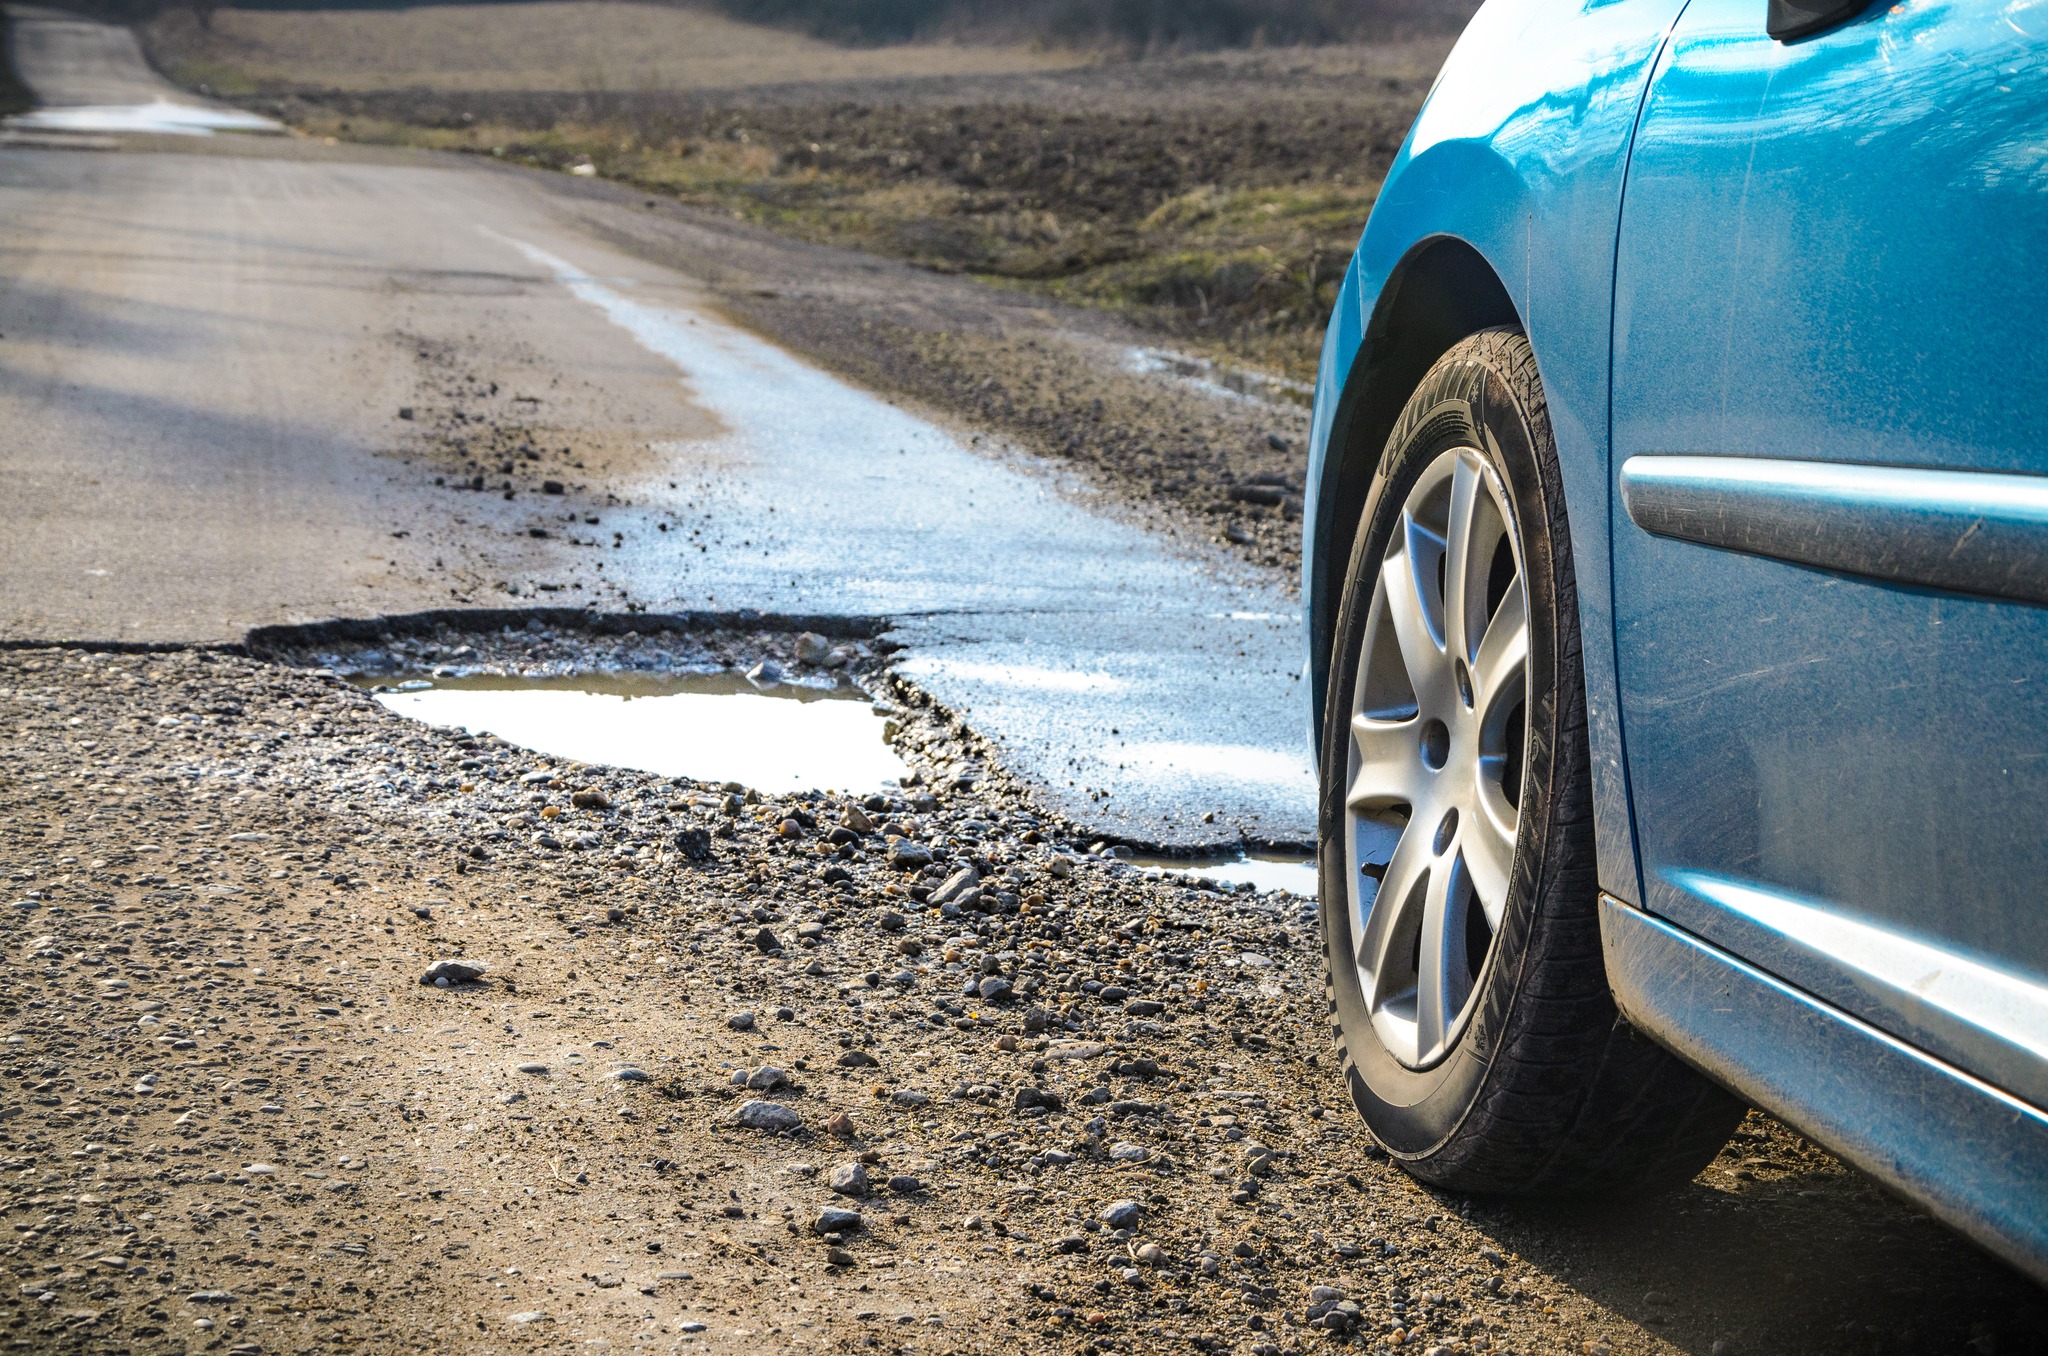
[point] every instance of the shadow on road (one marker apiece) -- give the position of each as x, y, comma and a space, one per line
1780, 1248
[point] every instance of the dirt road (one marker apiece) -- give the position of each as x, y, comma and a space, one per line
275, 382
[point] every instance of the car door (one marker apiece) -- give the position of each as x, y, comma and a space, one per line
1830, 533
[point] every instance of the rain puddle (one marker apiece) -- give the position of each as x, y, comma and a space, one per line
160, 116
1289, 871
714, 727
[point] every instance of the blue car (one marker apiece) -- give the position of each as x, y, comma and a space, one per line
1677, 580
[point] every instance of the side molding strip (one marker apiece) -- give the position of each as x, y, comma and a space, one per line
1981, 532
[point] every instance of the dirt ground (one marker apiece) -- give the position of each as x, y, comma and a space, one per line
234, 1119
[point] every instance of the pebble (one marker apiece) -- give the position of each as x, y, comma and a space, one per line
1122, 1214
857, 1059
834, 1220
838, 1257
767, 1078
630, 1075
849, 1179
527, 1316
532, 1068
443, 973
1126, 1152
840, 1125
741, 1021
903, 1184
770, 1116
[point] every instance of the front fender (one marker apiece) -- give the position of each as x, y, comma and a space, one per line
1502, 207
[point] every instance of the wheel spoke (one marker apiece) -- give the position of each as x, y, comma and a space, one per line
1462, 568
1439, 982
1396, 896
1503, 656
1487, 845
1388, 765
1420, 654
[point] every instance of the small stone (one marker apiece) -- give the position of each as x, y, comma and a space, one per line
838, 1257
909, 856
1126, 1152
590, 798
1123, 1214
812, 648
907, 1097
1149, 1254
531, 1068
857, 1059
839, 1125
630, 1075
1036, 1019
527, 1316
765, 941
890, 921
909, 946
767, 673
833, 1220
770, 1116
767, 1078
1028, 1097
741, 1021
849, 1179
993, 989
211, 1297
955, 886
1069, 1245
1143, 1007
443, 973
903, 1184
1113, 993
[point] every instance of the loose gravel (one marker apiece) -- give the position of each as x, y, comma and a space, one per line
920, 1072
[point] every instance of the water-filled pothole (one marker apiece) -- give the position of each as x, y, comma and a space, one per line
711, 727
1289, 871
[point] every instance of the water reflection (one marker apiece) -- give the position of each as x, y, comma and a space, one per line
714, 727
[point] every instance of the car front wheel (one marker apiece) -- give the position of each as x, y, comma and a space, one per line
1459, 895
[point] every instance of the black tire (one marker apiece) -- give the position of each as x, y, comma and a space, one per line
1547, 1088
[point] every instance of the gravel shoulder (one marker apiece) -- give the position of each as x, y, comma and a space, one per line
235, 1119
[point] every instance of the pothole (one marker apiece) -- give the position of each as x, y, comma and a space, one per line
709, 727
770, 710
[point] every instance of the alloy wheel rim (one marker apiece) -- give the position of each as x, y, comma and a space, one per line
1438, 750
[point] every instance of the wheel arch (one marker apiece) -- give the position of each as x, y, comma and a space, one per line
1440, 291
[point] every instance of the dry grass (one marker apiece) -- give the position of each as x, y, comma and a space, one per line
580, 45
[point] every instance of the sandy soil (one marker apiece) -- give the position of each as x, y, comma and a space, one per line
235, 1120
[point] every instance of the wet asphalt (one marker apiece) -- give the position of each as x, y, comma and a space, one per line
209, 343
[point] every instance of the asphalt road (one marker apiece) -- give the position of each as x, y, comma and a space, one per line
208, 343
